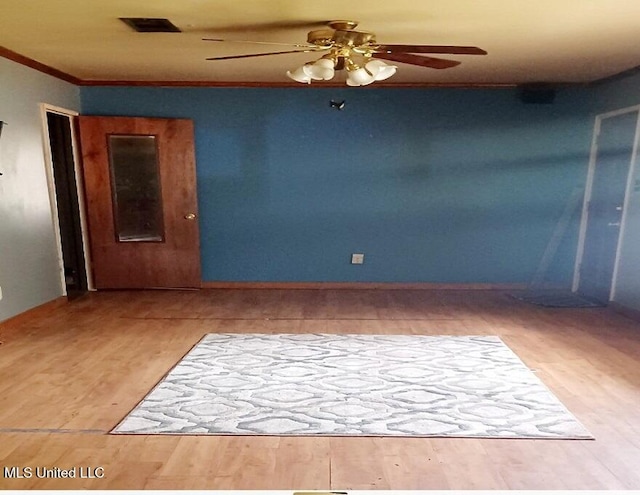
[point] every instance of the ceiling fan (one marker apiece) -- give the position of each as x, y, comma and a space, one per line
358, 53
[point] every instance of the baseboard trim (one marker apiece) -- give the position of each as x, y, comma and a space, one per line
359, 286
631, 313
33, 313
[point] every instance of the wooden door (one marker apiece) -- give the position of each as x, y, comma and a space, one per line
140, 185
604, 210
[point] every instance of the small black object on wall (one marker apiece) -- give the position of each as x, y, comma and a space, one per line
537, 93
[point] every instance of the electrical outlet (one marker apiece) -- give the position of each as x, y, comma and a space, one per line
357, 259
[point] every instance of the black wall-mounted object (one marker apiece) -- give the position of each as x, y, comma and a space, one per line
537, 93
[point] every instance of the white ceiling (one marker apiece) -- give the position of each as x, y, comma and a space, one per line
526, 41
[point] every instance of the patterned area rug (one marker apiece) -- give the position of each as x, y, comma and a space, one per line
341, 385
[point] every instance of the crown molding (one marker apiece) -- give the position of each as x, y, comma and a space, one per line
238, 84
617, 76
34, 64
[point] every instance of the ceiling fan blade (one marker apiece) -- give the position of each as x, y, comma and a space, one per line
408, 58
265, 26
230, 57
454, 50
297, 45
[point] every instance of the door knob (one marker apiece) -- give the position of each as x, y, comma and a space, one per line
614, 224
190, 216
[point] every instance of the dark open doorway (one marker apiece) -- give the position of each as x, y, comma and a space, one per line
60, 130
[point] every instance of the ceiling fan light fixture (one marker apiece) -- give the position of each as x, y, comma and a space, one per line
300, 75
322, 69
380, 70
358, 76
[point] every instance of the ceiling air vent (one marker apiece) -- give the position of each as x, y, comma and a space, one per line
150, 25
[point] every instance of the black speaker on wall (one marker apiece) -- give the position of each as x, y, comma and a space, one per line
537, 94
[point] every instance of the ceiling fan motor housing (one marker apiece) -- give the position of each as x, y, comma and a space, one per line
353, 38
341, 34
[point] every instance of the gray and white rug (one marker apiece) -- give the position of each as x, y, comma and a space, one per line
341, 385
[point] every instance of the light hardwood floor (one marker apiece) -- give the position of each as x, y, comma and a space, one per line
69, 375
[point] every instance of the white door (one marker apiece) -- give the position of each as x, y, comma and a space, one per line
611, 158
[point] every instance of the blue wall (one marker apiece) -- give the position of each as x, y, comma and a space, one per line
619, 92
433, 185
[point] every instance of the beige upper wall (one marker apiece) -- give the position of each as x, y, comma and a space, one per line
29, 267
